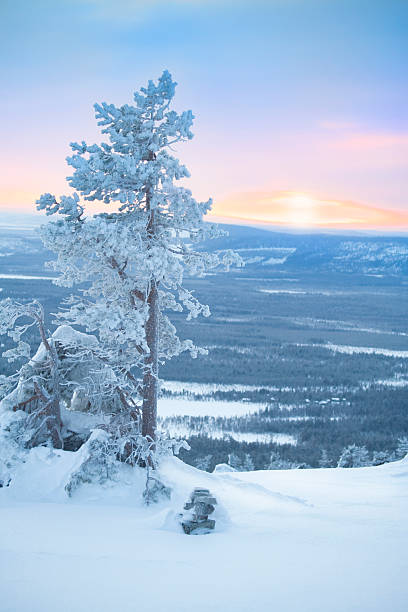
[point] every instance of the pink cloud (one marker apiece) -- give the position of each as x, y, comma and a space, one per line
373, 141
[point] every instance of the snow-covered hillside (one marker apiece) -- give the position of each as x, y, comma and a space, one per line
330, 540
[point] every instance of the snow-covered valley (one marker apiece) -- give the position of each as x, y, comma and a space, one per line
204, 345
291, 369
290, 373
295, 540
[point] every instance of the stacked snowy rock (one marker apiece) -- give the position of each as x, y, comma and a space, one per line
200, 505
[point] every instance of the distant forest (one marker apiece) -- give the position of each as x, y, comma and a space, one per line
271, 326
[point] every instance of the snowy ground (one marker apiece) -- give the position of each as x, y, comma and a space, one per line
25, 277
179, 388
368, 350
172, 406
331, 540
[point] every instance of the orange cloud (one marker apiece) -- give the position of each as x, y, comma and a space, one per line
18, 200
304, 210
293, 208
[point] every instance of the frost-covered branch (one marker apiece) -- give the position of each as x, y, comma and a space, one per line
130, 261
46, 401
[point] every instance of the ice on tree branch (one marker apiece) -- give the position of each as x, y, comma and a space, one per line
130, 260
21, 351
68, 206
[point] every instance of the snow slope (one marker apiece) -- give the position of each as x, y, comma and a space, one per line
330, 540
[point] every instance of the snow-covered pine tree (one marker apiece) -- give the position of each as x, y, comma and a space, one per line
248, 464
381, 457
234, 461
402, 448
276, 462
132, 259
354, 456
204, 463
324, 461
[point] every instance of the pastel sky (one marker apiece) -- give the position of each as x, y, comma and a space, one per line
301, 105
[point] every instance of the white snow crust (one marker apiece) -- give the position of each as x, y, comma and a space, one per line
68, 336
329, 540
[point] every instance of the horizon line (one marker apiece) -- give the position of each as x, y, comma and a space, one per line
227, 220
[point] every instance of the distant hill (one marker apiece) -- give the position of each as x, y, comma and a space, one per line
348, 253
21, 251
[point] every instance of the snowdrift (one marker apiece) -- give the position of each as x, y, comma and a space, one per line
299, 540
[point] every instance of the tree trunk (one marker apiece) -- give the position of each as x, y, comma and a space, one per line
52, 406
151, 365
150, 374
54, 423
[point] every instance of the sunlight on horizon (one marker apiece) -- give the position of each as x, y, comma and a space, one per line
295, 209
301, 209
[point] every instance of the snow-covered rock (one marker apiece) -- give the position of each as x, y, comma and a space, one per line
223, 467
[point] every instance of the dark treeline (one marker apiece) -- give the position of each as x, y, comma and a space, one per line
374, 418
266, 339
282, 364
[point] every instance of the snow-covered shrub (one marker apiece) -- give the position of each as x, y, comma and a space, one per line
11, 453
99, 459
130, 446
155, 490
96, 463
